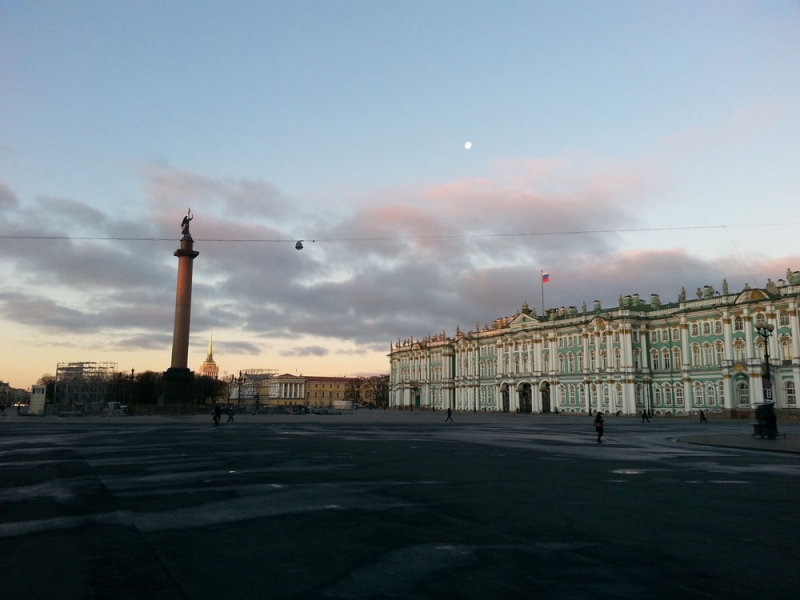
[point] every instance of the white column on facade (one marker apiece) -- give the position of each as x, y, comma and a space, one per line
748, 334
645, 340
727, 332
686, 359
795, 324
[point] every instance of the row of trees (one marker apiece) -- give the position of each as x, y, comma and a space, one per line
146, 387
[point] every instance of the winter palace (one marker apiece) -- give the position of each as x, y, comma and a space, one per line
675, 358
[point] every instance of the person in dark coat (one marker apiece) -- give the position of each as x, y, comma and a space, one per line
231, 412
217, 414
703, 416
449, 415
598, 425
645, 416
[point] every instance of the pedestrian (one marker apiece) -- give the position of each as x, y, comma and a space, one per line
449, 415
231, 412
645, 416
217, 414
703, 417
598, 425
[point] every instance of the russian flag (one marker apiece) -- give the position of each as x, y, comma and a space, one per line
545, 277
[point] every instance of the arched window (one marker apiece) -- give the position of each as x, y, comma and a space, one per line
742, 393
708, 355
546, 362
581, 395
695, 330
516, 364
619, 395
720, 350
617, 358
606, 395
711, 395
717, 327
657, 395
706, 328
786, 348
783, 319
664, 334
571, 394
654, 360
738, 324
679, 394
591, 361
760, 319
667, 394
571, 362
637, 359
667, 359
697, 393
561, 363
616, 337
738, 350
676, 359
483, 369
580, 361
562, 394
603, 359
593, 394
791, 396
695, 355
721, 392
638, 395
676, 334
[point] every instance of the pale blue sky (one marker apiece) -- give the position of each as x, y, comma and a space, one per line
304, 118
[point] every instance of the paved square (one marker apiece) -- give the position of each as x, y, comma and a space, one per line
392, 505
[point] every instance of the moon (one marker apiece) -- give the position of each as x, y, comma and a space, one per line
468, 145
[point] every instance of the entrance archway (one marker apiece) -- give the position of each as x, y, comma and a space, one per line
504, 395
525, 399
545, 389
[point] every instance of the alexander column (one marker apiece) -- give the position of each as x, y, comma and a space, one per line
178, 378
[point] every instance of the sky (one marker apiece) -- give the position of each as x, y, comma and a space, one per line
621, 147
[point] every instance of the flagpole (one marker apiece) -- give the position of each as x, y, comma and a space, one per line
541, 282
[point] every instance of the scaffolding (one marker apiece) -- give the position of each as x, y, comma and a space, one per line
252, 386
84, 386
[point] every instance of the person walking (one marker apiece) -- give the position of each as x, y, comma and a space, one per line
598, 425
231, 412
645, 416
449, 415
217, 414
703, 416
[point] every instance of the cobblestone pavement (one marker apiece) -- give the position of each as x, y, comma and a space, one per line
380, 504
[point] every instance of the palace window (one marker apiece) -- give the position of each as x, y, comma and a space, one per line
571, 360
720, 349
635, 336
676, 334
783, 319
738, 350
581, 395
591, 361
708, 355
695, 330
695, 355
786, 348
603, 359
679, 395
654, 360
738, 324
706, 328
667, 361
638, 395
657, 395
616, 337
545, 344
668, 394
676, 359
653, 337
761, 318
580, 361
697, 392
561, 363
572, 394
711, 396
717, 327
721, 392
545, 362
637, 359
516, 364
560, 342
604, 338
664, 335
619, 395
617, 358
606, 394
743, 393
791, 396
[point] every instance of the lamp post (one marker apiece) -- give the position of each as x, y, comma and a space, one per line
765, 332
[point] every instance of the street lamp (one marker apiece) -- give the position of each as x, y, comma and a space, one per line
765, 332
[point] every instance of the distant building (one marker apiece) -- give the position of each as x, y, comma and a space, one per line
264, 388
209, 368
672, 358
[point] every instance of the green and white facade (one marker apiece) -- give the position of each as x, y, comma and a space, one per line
674, 358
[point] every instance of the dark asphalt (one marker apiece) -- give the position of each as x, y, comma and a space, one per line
394, 505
